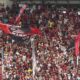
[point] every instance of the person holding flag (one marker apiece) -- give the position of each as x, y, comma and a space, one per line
20, 13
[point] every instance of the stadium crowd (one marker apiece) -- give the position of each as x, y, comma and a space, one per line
54, 49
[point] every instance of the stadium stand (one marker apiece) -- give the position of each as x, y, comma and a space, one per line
50, 56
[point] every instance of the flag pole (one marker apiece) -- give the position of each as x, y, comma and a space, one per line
2, 62
33, 57
77, 61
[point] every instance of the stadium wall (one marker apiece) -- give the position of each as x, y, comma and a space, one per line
51, 1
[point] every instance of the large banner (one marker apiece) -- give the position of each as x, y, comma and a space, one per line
16, 31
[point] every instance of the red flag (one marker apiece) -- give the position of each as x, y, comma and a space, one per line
35, 30
77, 43
21, 12
77, 47
5, 28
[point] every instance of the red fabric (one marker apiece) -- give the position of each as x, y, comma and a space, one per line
35, 31
77, 42
18, 20
77, 47
5, 28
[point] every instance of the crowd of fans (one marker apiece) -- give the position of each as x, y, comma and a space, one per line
54, 49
